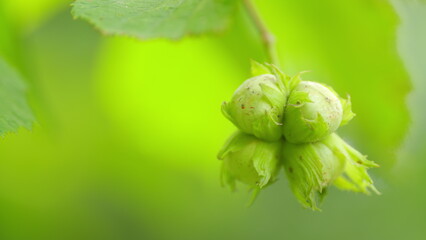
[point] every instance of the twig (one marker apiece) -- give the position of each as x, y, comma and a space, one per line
266, 36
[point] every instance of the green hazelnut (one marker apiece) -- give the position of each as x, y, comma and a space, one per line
257, 106
313, 112
249, 160
312, 167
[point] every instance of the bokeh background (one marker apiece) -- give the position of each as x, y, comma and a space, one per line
127, 134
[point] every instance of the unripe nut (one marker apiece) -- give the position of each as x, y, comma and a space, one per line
249, 160
312, 167
313, 112
257, 107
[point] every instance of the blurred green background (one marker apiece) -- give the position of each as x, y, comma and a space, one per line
128, 131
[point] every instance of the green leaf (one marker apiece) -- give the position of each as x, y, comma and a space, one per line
412, 48
147, 19
14, 110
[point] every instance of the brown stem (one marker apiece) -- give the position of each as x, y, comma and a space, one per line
268, 39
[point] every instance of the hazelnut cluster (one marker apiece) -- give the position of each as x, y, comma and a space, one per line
285, 122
